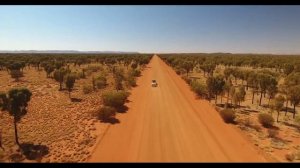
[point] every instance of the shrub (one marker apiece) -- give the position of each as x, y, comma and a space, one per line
135, 72
272, 133
16, 74
199, 88
131, 80
266, 119
106, 112
134, 65
87, 89
290, 156
228, 115
115, 98
92, 68
100, 82
70, 80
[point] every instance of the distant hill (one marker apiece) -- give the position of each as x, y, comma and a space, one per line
67, 51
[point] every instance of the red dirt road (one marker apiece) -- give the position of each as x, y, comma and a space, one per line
168, 124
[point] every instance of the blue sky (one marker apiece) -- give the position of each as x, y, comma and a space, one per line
236, 29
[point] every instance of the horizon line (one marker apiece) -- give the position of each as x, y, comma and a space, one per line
115, 51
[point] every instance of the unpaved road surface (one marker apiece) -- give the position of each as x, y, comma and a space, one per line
169, 124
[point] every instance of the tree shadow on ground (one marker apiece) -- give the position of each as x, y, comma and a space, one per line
122, 109
198, 97
111, 121
289, 109
273, 127
250, 111
76, 100
279, 139
230, 122
292, 125
34, 152
265, 105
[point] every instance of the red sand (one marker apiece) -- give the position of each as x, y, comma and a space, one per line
168, 124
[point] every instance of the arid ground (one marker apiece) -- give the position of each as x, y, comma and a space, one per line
168, 124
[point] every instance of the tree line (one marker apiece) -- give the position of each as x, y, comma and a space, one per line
259, 73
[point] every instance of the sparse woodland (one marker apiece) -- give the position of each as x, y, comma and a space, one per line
52, 106
258, 93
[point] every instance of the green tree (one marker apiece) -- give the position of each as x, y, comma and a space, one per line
294, 93
199, 88
134, 65
241, 93
278, 104
119, 77
226, 88
59, 76
215, 85
16, 74
49, 69
272, 88
253, 82
264, 81
187, 66
18, 99
288, 68
70, 81
227, 72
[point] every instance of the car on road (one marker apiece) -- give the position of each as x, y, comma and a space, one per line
154, 83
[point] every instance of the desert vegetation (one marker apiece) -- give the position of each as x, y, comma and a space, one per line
252, 90
48, 102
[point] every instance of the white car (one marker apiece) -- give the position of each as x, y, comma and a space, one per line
154, 83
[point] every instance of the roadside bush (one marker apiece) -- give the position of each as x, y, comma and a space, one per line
87, 89
106, 113
135, 72
199, 88
115, 98
131, 80
266, 120
228, 115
